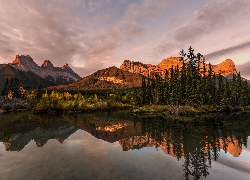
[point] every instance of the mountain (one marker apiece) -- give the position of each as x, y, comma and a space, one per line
27, 79
130, 74
58, 75
227, 67
109, 78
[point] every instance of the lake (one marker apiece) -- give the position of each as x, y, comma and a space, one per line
118, 145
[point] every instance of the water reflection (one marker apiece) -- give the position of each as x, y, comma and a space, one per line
198, 140
18, 131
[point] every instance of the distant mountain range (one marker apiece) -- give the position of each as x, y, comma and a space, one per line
59, 75
31, 76
130, 74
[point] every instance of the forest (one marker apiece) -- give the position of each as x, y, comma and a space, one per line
192, 88
193, 84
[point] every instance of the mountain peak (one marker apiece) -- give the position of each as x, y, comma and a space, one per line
226, 68
47, 63
172, 61
228, 62
66, 66
24, 63
22, 59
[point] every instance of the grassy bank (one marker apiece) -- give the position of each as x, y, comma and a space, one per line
56, 102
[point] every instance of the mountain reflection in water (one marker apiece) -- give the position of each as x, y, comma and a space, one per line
196, 139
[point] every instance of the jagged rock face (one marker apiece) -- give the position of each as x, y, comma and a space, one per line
25, 63
59, 75
65, 66
47, 63
146, 70
226, 68
172, 61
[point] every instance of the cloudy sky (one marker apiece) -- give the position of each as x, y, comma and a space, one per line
94, 34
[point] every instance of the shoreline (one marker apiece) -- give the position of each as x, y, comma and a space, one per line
146, 110
186, 110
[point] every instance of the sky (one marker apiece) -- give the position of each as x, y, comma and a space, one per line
91, 35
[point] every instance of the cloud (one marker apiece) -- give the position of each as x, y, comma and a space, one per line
211, 23
147, 9
152, 8
72, 32
212, 17
167, 49
244, 70
38, 29
190, 32
228, 51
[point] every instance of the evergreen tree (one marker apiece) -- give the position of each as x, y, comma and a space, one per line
148, 96
158, 89
5, 88
239, 90
183, 80
136, 98
166, 88
233, 86
193, 84
209, 85
172, 87
13, 86
220, 91
144, 91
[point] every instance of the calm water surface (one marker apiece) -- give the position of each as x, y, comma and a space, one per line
116, 145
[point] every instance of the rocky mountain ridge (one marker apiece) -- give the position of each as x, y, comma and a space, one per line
59, 75
130, 74
226, 68
109, 78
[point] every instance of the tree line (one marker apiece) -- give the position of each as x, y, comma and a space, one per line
193, 84
11, 86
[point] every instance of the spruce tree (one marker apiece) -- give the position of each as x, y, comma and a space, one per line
172, 87
220, 91
143, 91
233, 86
5, 88
183, 80
166, 88
239, 91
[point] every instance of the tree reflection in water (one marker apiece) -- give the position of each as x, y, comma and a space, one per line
196, 139
197, 164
